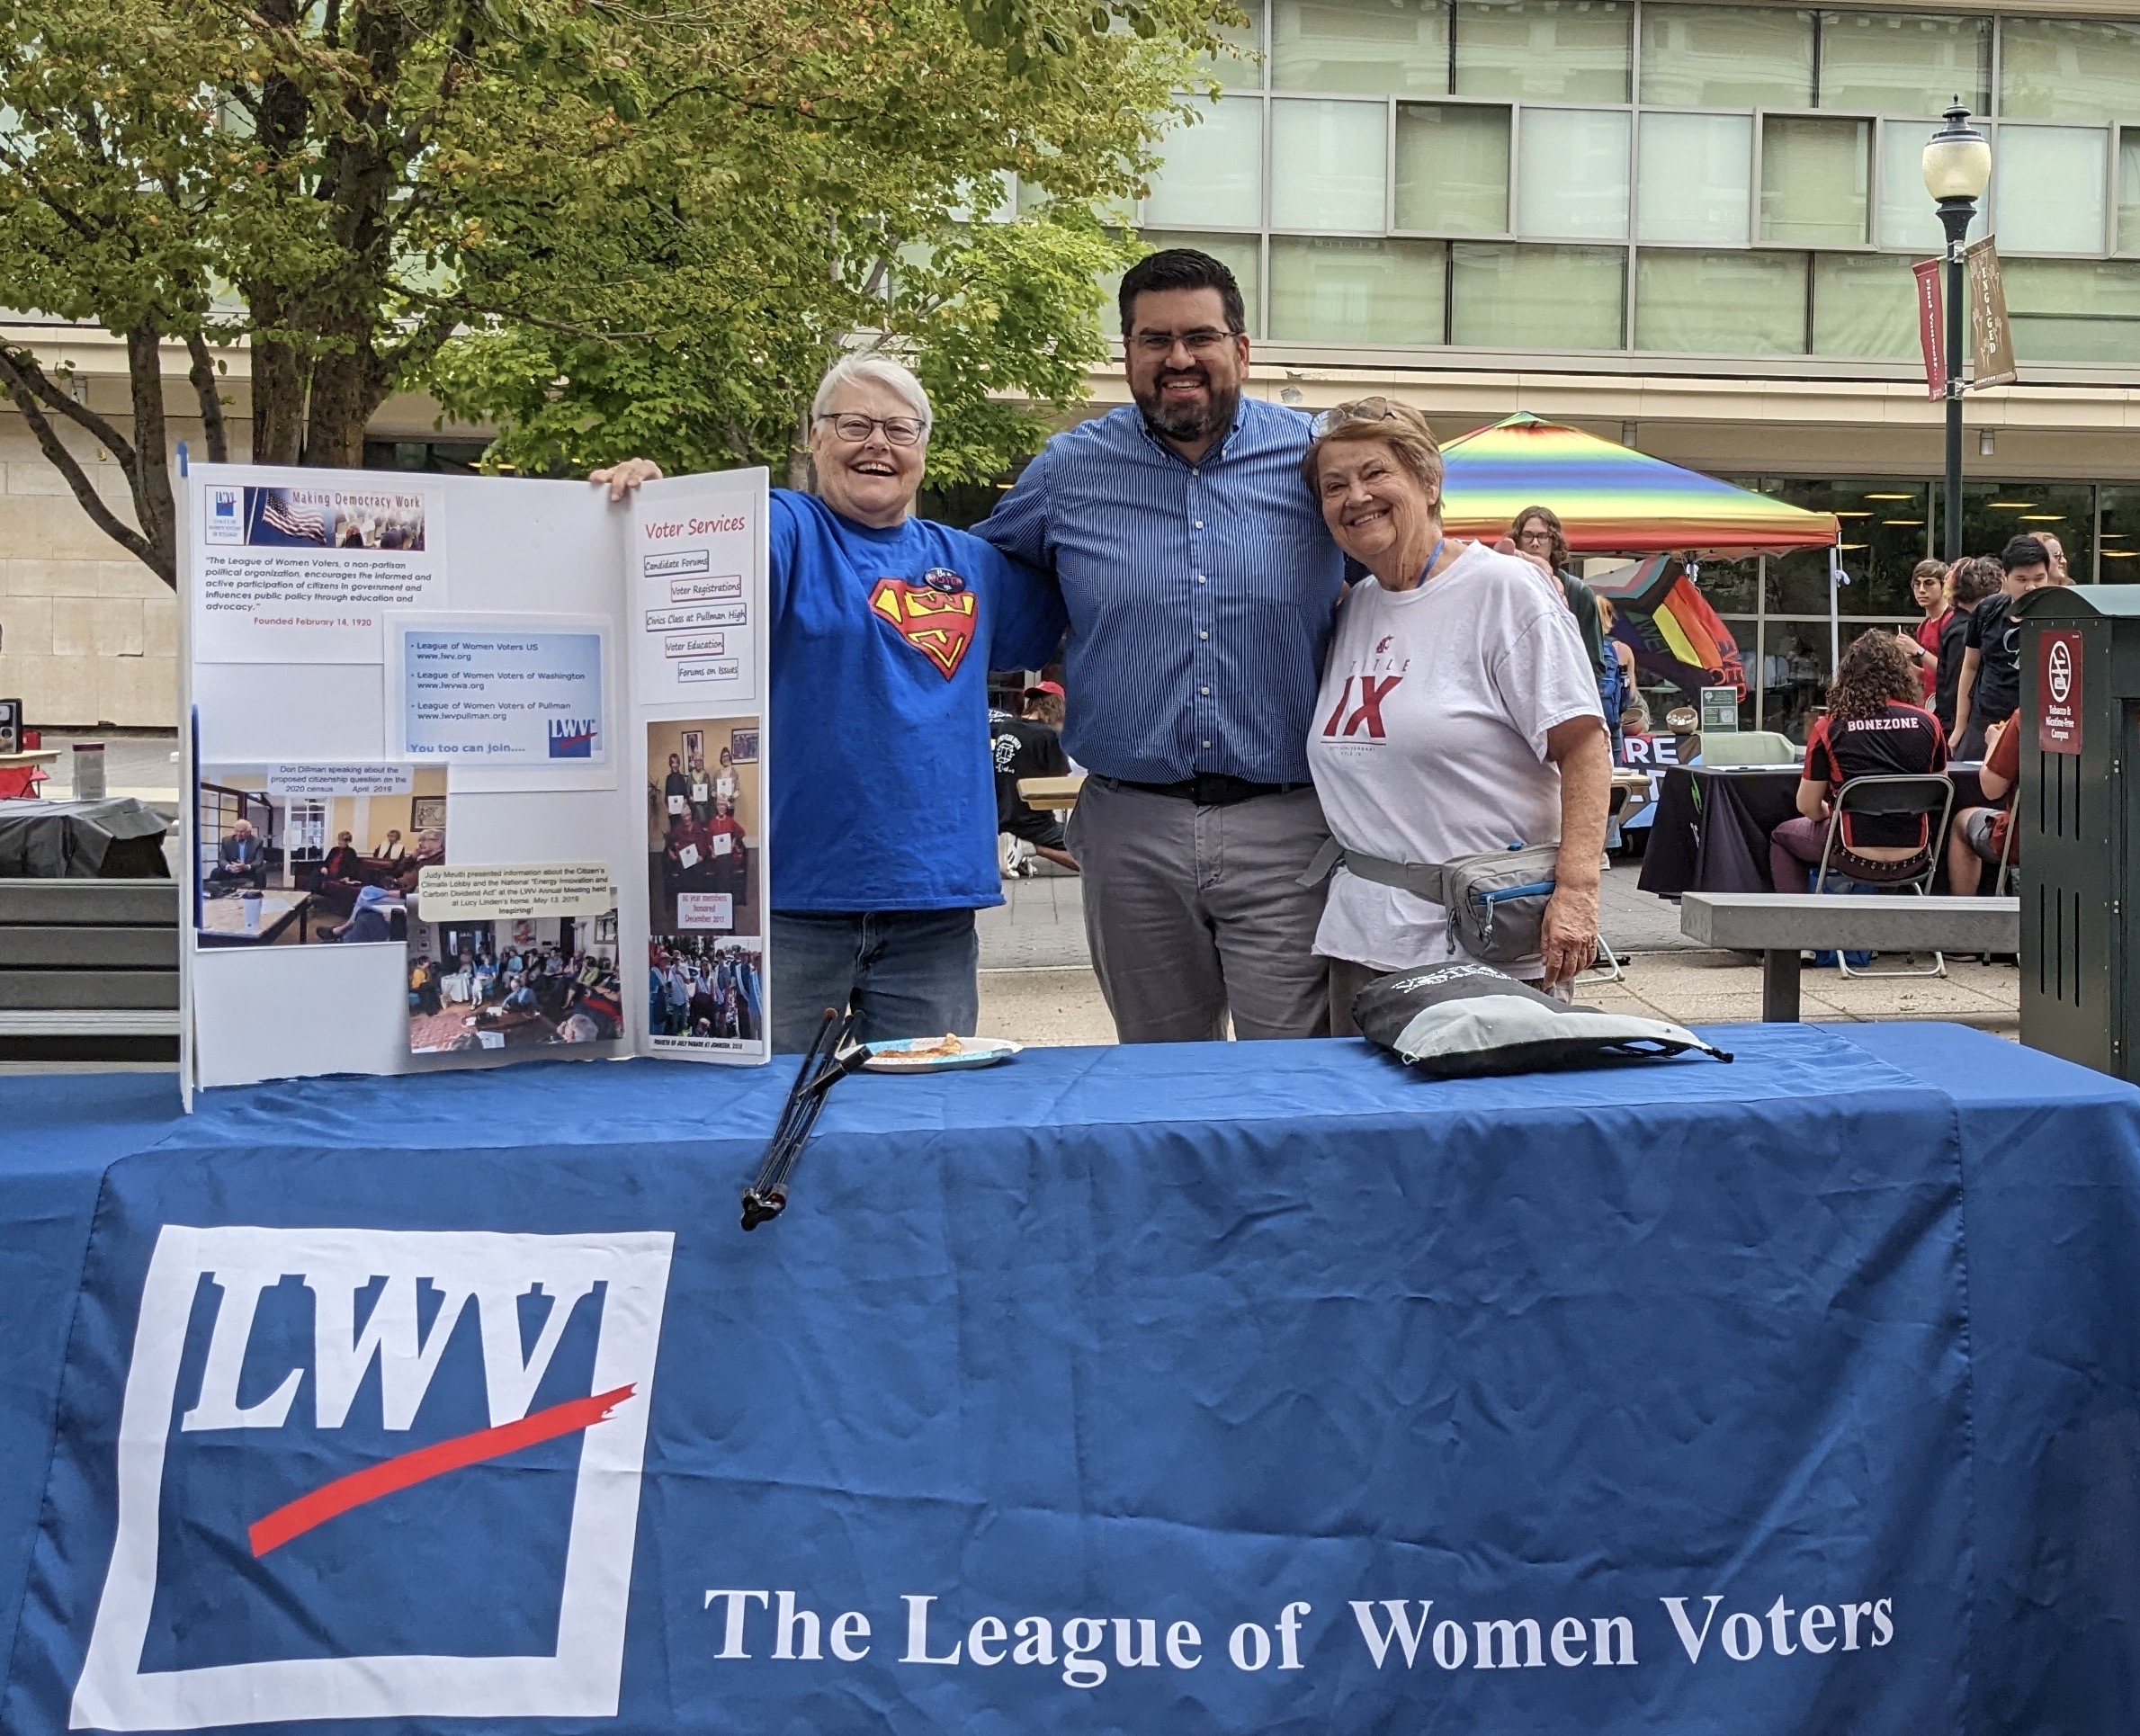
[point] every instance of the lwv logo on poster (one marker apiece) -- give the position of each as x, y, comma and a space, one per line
322, 1427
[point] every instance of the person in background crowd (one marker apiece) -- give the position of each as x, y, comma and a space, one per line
1617, 690
1979, 834
1874, 726
389, 848
884, 803
1459, 712
1921, 644
370, 922
1968, 582
1538, 535
1200, 582
241, 859
1031, 745
1989, 687
2055, 550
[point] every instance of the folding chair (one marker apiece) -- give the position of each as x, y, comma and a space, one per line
1891, 796
2006, 852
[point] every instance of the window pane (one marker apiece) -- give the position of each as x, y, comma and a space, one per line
1906, 216
1242, 71
1696, 178
1727, 57
2074, 309
1356, 291
2063, 69
2049, 182
1720, 303
1213, 170
1816, 180
2128, 192
1510, 297
1574, 178
1864, 304
2119, 545
1240, 254
1327, 164
1903, 63
1397, 47
1556, 51
1994, 512
1453, 168
1885, 526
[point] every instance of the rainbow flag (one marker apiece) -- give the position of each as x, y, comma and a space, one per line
1609, 499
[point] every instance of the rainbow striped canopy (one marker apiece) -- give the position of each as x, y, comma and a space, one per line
1612, 500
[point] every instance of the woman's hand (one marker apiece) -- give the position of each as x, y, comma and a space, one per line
1570, 932
625, 477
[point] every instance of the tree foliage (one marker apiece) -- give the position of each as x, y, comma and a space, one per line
607, 223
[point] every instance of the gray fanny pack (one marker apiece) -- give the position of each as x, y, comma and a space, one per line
1495, 901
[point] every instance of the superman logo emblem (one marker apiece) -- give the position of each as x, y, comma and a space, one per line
937, 623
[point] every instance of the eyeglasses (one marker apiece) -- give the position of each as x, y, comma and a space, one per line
1533, 536
855, 428
1361, 409
1203, 341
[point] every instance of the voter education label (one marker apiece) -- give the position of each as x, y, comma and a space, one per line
2058, 693
454, 893
348, 779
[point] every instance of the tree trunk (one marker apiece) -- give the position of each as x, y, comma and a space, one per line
278, 397
154, 510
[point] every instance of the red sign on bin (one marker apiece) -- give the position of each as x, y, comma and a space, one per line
2058, 693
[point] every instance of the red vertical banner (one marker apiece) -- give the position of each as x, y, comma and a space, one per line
1928, 326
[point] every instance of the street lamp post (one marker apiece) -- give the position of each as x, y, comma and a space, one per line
1957, 167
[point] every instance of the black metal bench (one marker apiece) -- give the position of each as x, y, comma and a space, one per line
1779, 926
88, 969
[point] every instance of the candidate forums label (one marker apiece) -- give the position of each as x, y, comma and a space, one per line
510, 695
2058, 693
484, 894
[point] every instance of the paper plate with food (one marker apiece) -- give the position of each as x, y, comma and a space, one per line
942, 1054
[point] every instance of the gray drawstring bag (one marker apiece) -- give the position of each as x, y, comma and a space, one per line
1467, 1021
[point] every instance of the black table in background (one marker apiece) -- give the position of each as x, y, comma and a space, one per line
114, 838
1711, 832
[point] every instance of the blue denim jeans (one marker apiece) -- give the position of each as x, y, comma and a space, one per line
906, 973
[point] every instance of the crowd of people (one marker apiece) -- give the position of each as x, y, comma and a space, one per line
699, 988
524, 992
1902, 705
1252, 831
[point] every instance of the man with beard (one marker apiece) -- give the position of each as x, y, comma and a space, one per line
1200, 582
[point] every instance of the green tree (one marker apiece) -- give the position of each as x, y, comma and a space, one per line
843, 195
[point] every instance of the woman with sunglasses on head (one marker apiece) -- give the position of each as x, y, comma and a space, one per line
884, 627
1458, 715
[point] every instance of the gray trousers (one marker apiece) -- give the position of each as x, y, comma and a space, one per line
1194, 913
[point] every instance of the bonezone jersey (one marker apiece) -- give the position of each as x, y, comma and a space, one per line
883, 791
1902, 740
1430, 740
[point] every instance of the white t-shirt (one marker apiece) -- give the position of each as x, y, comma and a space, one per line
1429, 740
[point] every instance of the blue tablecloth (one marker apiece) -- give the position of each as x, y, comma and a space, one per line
1203, 1388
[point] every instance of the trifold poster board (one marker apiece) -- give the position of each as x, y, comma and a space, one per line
478, 770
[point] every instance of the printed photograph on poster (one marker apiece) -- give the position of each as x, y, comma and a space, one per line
310, 854
743, 746
508, 694
518, 984
309, 572
705, 825
705, 992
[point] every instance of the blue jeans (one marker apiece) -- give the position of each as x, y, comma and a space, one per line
906, 973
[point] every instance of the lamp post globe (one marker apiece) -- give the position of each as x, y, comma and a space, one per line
1958, 168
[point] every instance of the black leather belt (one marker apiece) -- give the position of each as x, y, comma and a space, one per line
1211, 788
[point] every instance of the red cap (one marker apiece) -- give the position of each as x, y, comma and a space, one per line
1054, 687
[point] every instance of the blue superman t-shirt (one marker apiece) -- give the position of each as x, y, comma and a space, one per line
883, 791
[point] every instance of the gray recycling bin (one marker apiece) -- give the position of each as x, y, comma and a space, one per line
2078, 846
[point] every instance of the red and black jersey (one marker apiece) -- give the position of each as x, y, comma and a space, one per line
1901, 740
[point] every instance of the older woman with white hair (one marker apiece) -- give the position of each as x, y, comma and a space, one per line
884, 628
1459, 716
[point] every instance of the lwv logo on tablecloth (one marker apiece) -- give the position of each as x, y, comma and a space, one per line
309, 1415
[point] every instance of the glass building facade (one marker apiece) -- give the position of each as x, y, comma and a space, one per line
1663, 180
1530, 193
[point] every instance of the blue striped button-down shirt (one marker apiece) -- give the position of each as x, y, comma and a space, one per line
1200, 596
